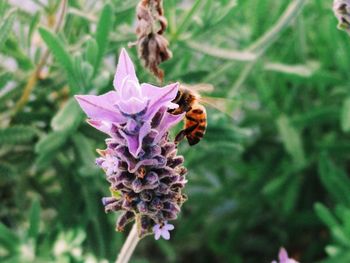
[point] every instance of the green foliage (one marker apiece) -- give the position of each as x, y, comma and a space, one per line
104, 26
17, 134
273, 173
68, 117
6, 25
63, 57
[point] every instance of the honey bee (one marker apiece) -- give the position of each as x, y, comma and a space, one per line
190, 102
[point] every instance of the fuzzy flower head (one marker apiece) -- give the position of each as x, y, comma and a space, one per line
141, 164
283, 257
341, 9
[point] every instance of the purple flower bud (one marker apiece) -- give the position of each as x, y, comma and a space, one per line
151, 178
142, 207
283, 257
140, 161
146, 195
137, 186
108, 200
156, 204
124, 219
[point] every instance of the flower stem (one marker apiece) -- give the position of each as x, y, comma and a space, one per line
129, 246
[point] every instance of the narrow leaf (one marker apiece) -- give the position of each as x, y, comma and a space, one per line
51, 142
17, 134
325, 215
8, 238
34, 220
68, 117
57, 48
291, 140
345, 115
6, 25
104, 26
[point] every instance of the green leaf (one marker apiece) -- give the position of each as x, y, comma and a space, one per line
345, 115
6, 25
34, 220
91, 53
68, 117
8, 238
325, 215
43, 160
17, 134
273, 187
4, 78
104, 26
291, 195
51, 142
340, 236
291, 140
187, 18
334, 180
58, 49
6, 171
32, 26
86, 154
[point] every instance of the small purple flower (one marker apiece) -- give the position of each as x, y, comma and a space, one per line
162, 230
141, 163
283, 257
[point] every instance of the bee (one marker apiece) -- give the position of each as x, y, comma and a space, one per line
190, 101
195, 117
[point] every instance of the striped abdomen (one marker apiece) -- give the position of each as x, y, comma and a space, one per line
195, 123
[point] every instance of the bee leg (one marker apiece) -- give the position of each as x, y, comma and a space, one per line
179, 137
184, 133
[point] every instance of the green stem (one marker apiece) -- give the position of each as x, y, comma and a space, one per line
184, 23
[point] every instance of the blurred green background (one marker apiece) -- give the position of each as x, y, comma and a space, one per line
272, 174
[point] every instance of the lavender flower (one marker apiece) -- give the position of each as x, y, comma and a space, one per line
162, 230
283, 257
341, 9
140, 162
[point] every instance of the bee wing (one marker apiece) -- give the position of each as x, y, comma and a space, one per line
200, 87
226, 106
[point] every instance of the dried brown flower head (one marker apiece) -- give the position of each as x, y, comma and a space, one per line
151, 44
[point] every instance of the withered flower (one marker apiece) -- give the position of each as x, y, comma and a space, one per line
151, 44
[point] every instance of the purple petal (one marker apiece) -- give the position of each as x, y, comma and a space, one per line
132, 105
133, 167
157, 231
283, 255
168, 227
168, 121
100, 107
157, 235
165, 234
135, 142
156, 228
125, 68
129, 88
103, 126
159, 97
